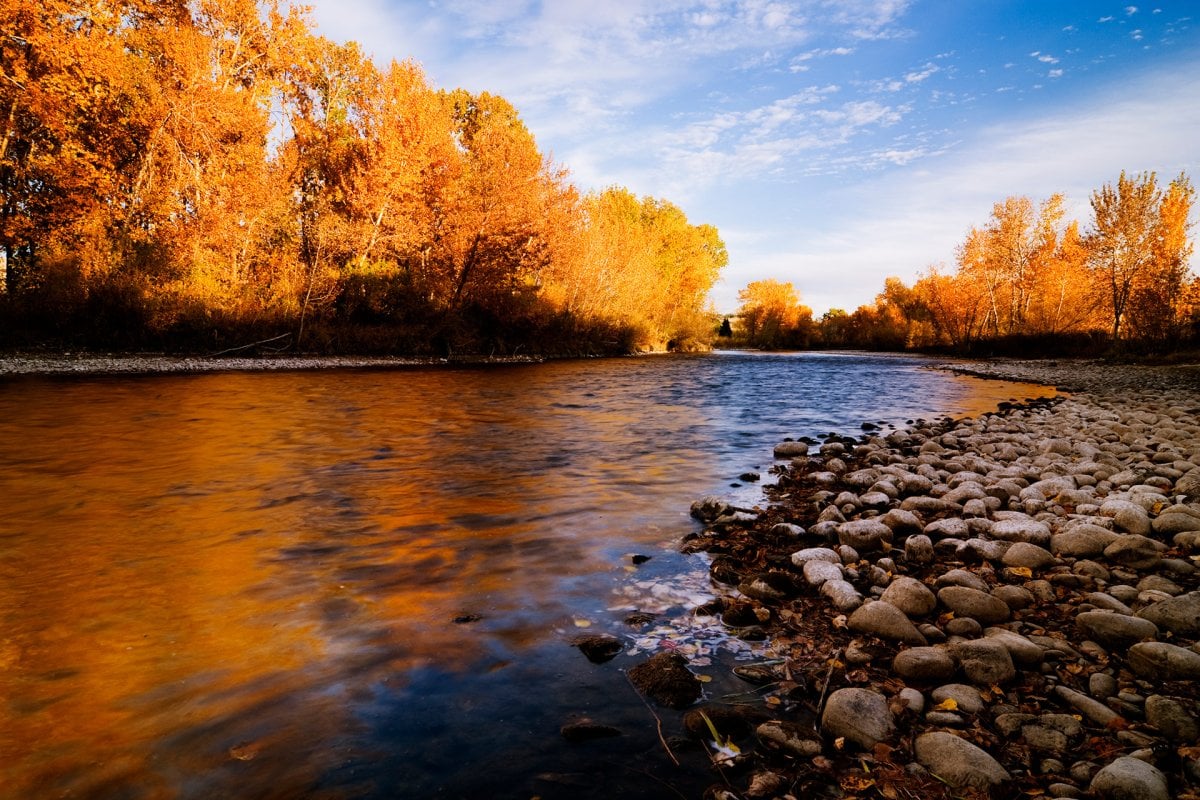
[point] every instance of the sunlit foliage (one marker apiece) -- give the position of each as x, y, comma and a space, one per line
772, 316
204, 172
1030, 278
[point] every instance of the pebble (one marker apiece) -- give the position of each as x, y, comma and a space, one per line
1134, 551
1129, 778
1160, 661
864, 535
842, 595
1179, 615
1024, 653
1101, 685
1114, 630
1068, 528
1172, 719
886, 621
923, 664
817, 572
980, 606
1095, 711
801, 557
910, 596
984, 661
1083, 541
966, 698
1024, 554
860, 715
958, 762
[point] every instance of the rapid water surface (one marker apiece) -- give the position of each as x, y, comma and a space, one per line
364, 583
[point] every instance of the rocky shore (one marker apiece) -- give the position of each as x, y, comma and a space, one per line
1004, 606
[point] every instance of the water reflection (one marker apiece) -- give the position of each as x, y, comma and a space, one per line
247, 583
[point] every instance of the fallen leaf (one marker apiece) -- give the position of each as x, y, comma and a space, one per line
949, 704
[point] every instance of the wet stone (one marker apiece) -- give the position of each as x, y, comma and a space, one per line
598, 648
666, 680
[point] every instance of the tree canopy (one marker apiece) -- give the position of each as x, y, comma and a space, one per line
203, 172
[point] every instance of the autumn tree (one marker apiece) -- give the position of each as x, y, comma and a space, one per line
958, 306
1157, 302
200, 165
1063, 298
640, 262
772, 316
1138, 247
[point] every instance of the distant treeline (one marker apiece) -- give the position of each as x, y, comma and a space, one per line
1026, 282
203, 174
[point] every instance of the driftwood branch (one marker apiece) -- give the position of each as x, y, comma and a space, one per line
252, 344
657, 718
837, 654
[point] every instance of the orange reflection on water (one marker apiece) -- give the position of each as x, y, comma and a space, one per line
206, 573
206, 582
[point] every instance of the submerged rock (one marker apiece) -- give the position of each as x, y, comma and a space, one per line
599, 647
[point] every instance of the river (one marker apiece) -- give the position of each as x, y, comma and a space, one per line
363, 583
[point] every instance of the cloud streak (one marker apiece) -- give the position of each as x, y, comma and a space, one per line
832, 142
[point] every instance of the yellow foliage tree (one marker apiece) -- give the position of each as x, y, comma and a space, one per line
772, 316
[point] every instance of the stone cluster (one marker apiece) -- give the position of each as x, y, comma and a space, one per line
1008, 603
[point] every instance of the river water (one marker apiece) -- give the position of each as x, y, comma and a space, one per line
363, 583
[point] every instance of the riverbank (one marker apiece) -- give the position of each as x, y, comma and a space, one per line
997, 606
126, 364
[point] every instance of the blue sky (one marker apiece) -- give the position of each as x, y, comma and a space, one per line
832, 142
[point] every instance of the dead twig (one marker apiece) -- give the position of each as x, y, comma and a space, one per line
657, 719
825, 689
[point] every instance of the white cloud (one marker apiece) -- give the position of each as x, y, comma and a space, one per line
1106, 19
1054, 73
922, 74
1130, 10
904, 220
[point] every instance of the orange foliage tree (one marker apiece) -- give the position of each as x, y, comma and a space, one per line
216, 163
772, 316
